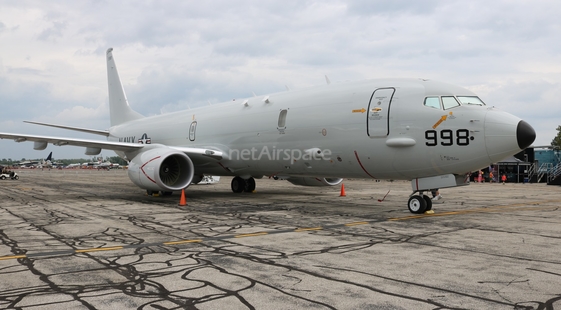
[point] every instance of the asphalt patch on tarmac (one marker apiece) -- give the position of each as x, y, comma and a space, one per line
91, 239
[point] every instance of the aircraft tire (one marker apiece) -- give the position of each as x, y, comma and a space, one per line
249, 185
417, 204
429, 202
238, 185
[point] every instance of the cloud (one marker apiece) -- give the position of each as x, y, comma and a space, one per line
173, 55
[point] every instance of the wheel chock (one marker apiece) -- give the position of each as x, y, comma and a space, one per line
429, 212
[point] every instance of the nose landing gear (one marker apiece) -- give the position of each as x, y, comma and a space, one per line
419, 204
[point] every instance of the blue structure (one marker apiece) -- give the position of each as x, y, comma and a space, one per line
547, 156
547, 164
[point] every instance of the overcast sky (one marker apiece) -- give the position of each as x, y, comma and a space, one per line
172, 55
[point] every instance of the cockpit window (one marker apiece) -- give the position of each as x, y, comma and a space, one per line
433, 102
449, 102
473, 100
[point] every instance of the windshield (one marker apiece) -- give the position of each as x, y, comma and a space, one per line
449, 102
473, 100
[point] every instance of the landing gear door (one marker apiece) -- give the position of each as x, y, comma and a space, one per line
377, 123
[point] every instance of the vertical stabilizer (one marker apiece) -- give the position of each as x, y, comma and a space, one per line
119, 109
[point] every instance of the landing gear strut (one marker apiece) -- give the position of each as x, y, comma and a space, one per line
240, 185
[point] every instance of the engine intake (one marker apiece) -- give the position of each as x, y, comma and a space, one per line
161, 169
309, 181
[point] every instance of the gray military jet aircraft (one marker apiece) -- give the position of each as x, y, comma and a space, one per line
429, 132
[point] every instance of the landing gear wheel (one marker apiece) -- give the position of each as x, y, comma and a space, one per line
249, 185
150, 192
238, 185
417, 204
429, 202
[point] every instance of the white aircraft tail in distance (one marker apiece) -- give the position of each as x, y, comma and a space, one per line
429, 132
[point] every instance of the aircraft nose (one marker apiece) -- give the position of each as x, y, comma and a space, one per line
525, 135
506, 135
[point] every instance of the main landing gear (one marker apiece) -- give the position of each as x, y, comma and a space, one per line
240, 185
152, 193
419, 204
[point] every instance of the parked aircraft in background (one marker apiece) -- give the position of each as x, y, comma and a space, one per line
106, 165
429, 132
44, 163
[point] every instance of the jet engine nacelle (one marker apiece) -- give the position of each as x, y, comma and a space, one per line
161, 169
315, 181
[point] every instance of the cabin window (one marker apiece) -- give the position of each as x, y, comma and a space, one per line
282, 118
433, 102
449, 102
470, 100
192, 130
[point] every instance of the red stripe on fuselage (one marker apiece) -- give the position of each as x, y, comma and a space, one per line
361, 166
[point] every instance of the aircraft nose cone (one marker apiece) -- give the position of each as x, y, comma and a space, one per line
525, 135
506, 134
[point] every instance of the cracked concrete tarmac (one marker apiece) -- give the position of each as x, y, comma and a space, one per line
74, 239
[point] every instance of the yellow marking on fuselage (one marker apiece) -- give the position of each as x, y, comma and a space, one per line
442, 119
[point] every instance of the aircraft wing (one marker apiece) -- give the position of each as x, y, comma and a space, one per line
59, 141
198, 153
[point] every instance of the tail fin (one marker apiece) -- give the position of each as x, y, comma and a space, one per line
119, 109
49, 158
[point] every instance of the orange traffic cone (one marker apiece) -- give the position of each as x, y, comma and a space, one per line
182, 201
343, 194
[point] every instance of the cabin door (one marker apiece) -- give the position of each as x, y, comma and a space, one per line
377, 122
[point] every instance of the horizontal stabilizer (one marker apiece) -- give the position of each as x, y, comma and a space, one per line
92, 131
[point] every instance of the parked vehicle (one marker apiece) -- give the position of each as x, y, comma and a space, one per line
12, 175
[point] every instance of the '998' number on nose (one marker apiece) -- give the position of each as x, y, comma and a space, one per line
447, 137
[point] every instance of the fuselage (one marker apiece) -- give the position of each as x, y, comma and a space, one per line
384, 129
